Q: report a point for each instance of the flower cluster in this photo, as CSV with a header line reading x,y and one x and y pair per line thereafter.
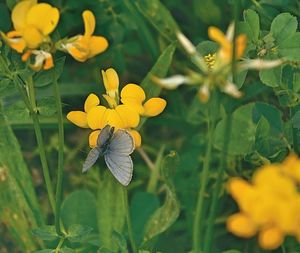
x,y
215,70
122,111
34,22
269,205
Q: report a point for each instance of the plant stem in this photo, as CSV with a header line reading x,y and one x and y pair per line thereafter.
x,y
60,170
295,132
220,175
203,182
38,133
155,173
128,219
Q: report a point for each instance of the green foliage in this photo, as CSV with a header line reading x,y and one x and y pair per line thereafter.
x,y
111,212
143,46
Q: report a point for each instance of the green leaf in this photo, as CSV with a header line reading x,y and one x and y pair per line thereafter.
x,y
19,206
46,233
213,16
77,232
283,26
111,212
252,19
46,106
45,251
159,16
147,202
46,77
160,69
242,135
271,77
232,251
207,47
79,208
290,48
7,87
17,112
271,113
262,136
167,214
67,250
296,120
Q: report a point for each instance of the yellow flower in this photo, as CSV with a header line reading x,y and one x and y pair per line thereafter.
x,y
33,23
125,116
83,47
43,59
291,166
134,96
270,204
225,52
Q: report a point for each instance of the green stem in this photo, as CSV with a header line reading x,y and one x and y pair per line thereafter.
x,y
155,173
128,218
203,182
220,175
60,170
295,132
38,133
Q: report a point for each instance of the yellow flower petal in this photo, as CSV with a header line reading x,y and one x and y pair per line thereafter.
x,y
133,91
136,137
93,138
217,35
291,166
19,13
241,225
111,101
154,106
129,117
270,238
241,42
78,118
48,63
14,40
110,79
134,104
78,48
89,23
44,17
95,117
32,36
91,101
97,45
114,119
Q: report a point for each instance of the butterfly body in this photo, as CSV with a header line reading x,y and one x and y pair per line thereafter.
x,y
116,148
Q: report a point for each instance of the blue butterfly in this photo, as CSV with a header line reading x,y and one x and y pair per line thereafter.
x,y
116,148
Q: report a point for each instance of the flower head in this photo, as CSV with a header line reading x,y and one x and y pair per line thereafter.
x,y
83,47
215,68
33,22
269,205
124,115
226,44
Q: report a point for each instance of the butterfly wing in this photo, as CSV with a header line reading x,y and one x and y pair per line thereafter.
x,y
120,166
90,159
117,156
121,143
104,135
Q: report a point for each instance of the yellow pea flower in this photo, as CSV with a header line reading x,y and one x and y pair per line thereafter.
x,y
269,204
225,52
83,47
125,115
133,95
33,23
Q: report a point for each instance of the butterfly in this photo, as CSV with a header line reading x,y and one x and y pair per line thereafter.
x,y
116,147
